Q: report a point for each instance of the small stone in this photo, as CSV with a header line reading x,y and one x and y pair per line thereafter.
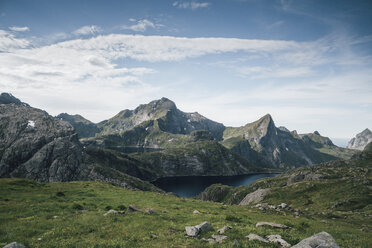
x,y
253,236
133,208
196,212
192,231
277,240
153,236
283,205
14,245
219,238
224,229
236,243
150,211
39,239
272,225
164,211
210,240
113,211
205,226
55,217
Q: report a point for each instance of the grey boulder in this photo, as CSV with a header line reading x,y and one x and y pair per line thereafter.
x,y
319,240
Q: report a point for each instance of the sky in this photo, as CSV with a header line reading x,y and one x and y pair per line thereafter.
x,y
307,63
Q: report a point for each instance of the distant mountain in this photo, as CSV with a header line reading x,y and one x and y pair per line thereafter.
x,y
7,98
262,143
168,117
83,127
361,140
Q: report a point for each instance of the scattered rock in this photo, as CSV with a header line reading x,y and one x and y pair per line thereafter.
x,y
322,239
254,197
171,230
14,245
196,212
133,208
236,243
224,229
193,231
253,236
277,240
205,226
303,176
150,211
210,240
112,211
219,238
153,236
272,225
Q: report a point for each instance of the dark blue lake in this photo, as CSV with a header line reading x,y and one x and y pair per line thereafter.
x,y
192,185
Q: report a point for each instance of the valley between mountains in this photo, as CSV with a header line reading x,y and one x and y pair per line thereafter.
x,y
62,174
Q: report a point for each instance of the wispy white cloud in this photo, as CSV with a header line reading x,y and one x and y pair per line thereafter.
x,y
258,72
9,42
190,5
141,25
19,29
88,30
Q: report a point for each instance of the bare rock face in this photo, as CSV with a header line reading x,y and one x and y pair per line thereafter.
x,y
319,240
254,197
36,146
361,140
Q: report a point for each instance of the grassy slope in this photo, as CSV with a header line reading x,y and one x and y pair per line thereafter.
x,y
27,209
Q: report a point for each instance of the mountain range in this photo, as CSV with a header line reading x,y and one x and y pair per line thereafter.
x,y
152,141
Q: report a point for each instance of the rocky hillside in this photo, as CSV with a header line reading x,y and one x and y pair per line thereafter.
x,y
207,158
360,140
36,146
83,127
329,189
262,143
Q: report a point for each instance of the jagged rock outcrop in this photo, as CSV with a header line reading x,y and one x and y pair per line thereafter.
x,y
83,127
361,140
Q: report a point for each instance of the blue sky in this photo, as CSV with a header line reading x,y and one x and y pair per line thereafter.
x,y
307,63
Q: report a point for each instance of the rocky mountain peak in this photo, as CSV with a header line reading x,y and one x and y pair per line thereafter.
x,y
7,98
361,140
317,133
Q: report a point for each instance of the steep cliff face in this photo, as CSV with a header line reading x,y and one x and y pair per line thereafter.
x,y
361,140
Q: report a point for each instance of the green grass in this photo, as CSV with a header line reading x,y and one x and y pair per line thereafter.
x,y
27,211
